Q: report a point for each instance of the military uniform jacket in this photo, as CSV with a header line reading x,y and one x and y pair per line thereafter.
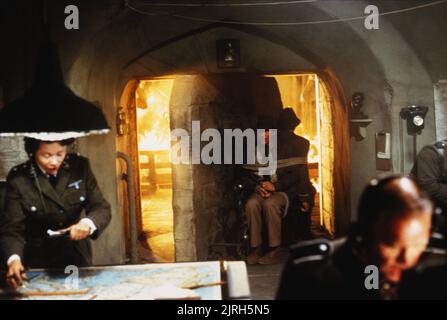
x,y
430,172
329,270
26,219
429,283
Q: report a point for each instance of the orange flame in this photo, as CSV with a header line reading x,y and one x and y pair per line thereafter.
x,y
313,156
152,98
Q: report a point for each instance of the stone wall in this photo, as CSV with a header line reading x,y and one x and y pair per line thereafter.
x,y
204,203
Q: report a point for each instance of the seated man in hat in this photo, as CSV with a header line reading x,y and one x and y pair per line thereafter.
x,y
273,194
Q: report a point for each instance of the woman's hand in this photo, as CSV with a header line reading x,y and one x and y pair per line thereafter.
x,y
78,231
16,274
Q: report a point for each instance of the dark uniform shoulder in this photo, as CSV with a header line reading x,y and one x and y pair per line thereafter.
x,y
438,148
75,160
310,272
313,250
431,150
303,141
441,144
75,157
297,145
75,163
19,170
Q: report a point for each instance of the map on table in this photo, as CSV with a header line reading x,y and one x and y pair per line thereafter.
x,y
132,282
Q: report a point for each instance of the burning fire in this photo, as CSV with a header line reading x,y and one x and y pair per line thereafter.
x,y
313,156
152,98
153,141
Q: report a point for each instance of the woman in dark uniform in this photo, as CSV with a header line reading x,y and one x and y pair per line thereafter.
x,y
53,205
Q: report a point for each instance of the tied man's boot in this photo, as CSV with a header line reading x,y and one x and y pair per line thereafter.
x,y
255,255
272,257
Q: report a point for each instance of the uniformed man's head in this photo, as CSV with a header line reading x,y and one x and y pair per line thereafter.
x,y
394,220
49,155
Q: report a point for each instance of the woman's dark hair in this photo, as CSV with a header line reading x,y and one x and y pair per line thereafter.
x,y
32,145
388,198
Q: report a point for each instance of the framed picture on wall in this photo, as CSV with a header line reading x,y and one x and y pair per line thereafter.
x,y
228,53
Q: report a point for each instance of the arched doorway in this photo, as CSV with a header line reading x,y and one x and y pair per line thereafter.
x,y
198,204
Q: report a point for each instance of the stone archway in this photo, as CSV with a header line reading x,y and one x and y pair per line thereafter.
x,y
194,97
202,195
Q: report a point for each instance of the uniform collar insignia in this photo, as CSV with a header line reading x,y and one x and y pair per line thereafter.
x,y
75,184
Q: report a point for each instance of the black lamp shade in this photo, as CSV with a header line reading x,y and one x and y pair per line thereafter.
x,y
50,110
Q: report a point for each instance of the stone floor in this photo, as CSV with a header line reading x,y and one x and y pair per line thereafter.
x,y
158,224
264,279
158,227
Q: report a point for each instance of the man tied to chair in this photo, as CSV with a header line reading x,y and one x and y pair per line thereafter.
x,y
272,194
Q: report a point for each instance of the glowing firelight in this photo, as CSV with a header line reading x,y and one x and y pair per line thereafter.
x,y
153,141
312,156
152,98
